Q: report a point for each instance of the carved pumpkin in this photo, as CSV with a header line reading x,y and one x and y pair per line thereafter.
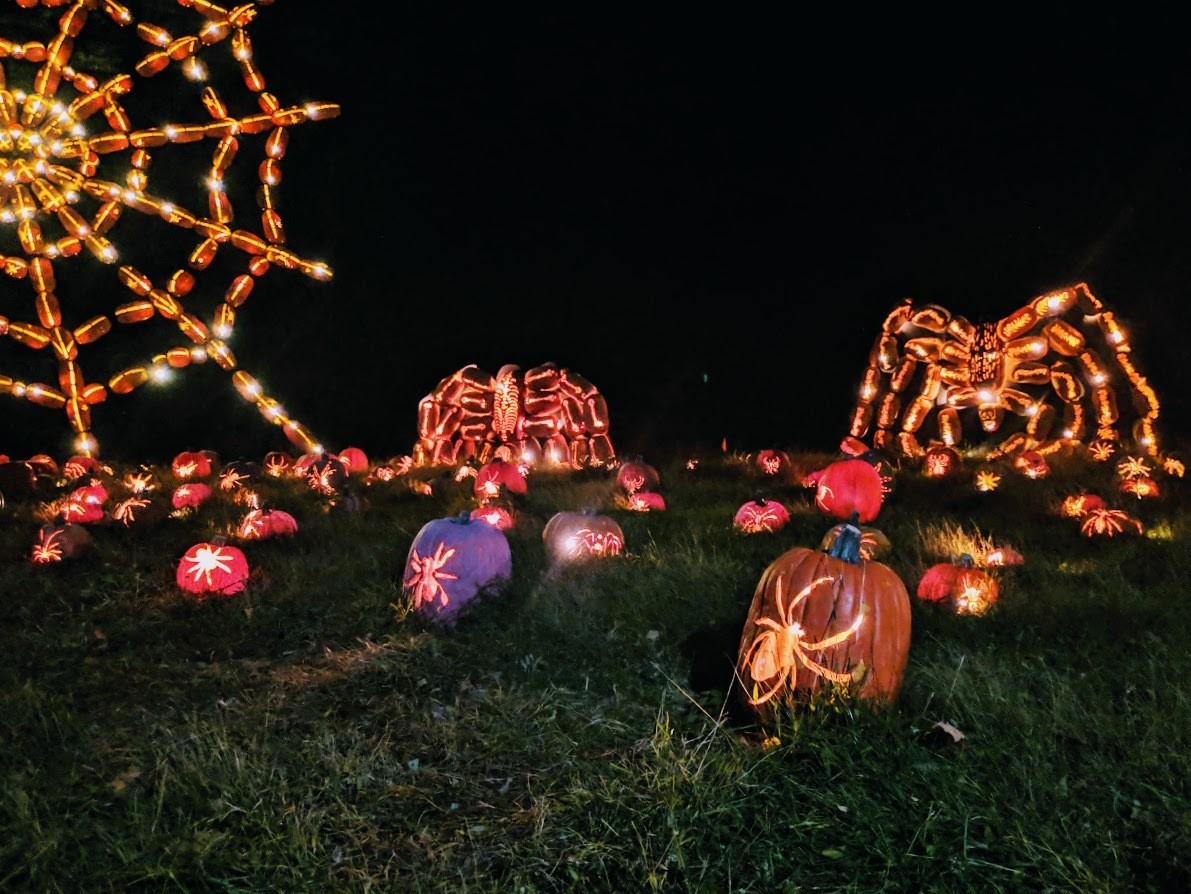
x,y
873,543
1142,488
212,568
84,506
987,480
278,464
1032,464
853,447
1003,555
78,466
578,536
1109,523
761,516
1102,450
645,501
262,524
960,585
191,464
354,460
190,496
820,618
941,461
497,516
325,475
774,463
884,468
59,542
43,464
139,510
635,475
451,562
847,486
496,475
237,474
1079,505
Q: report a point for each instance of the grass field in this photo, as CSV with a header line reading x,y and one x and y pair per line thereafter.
x,y
581,732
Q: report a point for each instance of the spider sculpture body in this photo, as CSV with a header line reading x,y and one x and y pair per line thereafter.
x,y
1057,365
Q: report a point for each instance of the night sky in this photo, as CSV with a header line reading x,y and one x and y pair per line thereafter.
x,y
706,213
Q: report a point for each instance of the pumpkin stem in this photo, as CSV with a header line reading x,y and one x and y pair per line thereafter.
x,y
965,560
465,517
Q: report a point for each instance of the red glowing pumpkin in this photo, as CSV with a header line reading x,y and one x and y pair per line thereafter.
x,y
354,460
1143,488
452,562
1079,505
191,464
212,568
635,475
497,516
847,486
819,618
1032,464
190,496
262,524
960,585
760,515
84,506
78,466
497,475
579,536
645,501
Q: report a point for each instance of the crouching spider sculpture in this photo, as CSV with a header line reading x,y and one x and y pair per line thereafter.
x,y
1058,364
547,412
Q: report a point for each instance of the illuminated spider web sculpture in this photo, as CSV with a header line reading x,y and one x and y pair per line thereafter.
x,y
1058,364
72,165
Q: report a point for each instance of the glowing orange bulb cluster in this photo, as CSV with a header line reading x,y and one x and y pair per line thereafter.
x,y
72,163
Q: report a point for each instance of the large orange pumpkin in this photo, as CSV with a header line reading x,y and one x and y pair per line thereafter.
x,y
824,617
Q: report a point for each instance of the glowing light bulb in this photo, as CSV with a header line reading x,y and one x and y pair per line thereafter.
x,y
986,396
160,373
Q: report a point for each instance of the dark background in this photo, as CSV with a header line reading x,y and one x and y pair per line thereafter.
x,y
706,213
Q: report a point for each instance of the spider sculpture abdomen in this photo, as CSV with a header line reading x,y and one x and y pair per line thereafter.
x,y
1056,367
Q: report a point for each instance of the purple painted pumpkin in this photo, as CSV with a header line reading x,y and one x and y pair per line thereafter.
x,y
451,562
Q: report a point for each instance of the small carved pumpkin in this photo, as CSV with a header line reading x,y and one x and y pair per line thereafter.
x,y
1079,505
635,475
326,475
191,464
43,464
987,480
278,464
1109,523
59,542
139,510
190,496
236,475
1143,488
645,501
774,463
1032,464
824,617
262,524
578,536
1102,450
84,506
354,460
940,461
847,486
760,515
497,475
451,562
873,543
78,466
960,585
212,568
497,516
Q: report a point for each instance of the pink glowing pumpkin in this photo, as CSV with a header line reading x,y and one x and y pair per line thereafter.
x,y
847,486
497,475
761,516
635,475
212,568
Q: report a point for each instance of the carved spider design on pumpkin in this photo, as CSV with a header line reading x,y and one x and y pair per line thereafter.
x,y
1051,362
48,548
587,542
126,510
1109,523
205,562
426,576
778,653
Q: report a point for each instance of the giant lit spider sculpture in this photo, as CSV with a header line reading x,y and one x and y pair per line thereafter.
x,y
1057,363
